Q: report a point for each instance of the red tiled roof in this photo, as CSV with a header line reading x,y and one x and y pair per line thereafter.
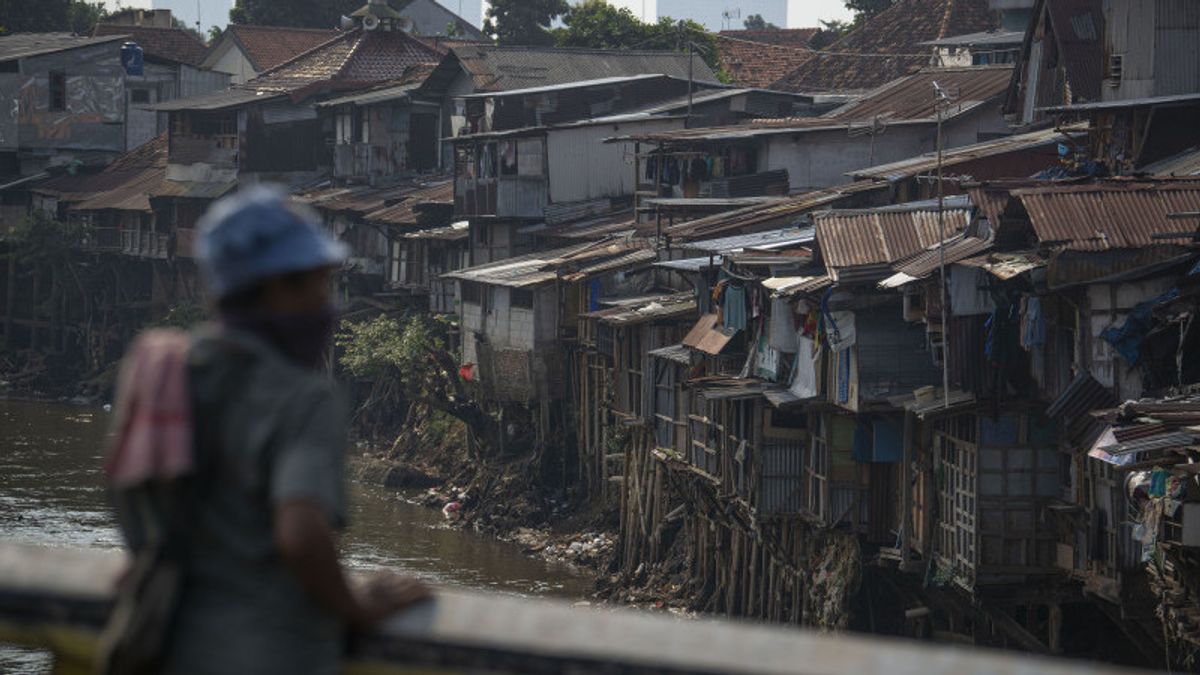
x,y
888,46
356,57
788,37
270,46
171,44
757,64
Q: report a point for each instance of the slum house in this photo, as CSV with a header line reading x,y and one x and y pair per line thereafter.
x,y
385,134
475,68
890,45
1062,59
1035,294
263,131
988,48
1027,154
1131,134
172,68
751,63
519,323
372,222
574,101
70,98
125,269
506,181
895,122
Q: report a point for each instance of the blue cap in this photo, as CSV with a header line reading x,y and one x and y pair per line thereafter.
x,y
260,233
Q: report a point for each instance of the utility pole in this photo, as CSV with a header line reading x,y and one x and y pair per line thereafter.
x,y
942,99
691,78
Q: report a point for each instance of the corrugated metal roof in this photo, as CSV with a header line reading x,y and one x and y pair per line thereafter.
x,y
653,309
1112,214
455,232
1125,103
217,100
1082,396
733,389
1186,163
677,353
985,38
412,196
878,237
926,262
763,241
573,263
189,190
380,95
911,98
757,129
25,45
1007,264
691,264
783,214
786,287
567,86
496,68
921,164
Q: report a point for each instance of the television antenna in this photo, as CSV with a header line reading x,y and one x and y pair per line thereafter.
x,y
729,15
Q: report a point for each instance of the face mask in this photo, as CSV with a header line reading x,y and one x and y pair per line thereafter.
x,y
305,338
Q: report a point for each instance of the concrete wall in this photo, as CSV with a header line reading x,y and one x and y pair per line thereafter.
x,y
234,63
822,159
94,117
583,167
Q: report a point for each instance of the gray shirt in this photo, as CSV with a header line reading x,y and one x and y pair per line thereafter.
x,y
282,438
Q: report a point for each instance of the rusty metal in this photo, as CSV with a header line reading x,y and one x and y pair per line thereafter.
x,y
1109,214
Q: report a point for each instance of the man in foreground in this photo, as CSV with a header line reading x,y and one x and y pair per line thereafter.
x,y
227,467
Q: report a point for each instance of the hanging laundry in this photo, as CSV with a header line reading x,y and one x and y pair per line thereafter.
x,y
1033,323
734,306
783,326
804,373
968,288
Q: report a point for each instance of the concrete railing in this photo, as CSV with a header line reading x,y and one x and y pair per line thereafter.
x,y
58,598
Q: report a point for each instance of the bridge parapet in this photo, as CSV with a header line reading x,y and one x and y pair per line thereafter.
x,y
58,598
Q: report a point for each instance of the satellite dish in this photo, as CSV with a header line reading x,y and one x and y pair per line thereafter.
x,y
370,22
346,22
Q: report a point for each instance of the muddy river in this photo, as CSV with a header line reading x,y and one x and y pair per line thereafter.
x,y
50,495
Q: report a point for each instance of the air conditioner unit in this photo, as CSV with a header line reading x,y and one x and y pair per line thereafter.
x,y
370,22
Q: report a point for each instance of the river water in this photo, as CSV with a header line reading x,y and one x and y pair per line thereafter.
x,y
50,495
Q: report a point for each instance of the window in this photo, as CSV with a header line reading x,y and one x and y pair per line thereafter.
x,y
482,236
58,91
472,293
521,298
364,130
1116,68
345,128
139,96
508,158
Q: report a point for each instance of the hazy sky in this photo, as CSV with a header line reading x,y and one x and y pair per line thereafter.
x,y
801,13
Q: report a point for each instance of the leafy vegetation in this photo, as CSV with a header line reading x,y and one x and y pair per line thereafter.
x,y
523,22
295,13
757,22
595,24
406,360
44,16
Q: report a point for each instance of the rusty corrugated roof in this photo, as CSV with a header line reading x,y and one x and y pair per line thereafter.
x,y
871,240
912,98
758,217
707,336
574,263
928,162
1113,214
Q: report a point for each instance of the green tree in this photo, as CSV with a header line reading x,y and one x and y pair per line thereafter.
x,y
406,360
45,16
831,31
865,10
295,13
214,34
523,22
595,24
757,22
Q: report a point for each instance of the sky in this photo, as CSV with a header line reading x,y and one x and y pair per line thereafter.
x,y
801,13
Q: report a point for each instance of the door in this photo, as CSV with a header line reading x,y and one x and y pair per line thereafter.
x,y
422,142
